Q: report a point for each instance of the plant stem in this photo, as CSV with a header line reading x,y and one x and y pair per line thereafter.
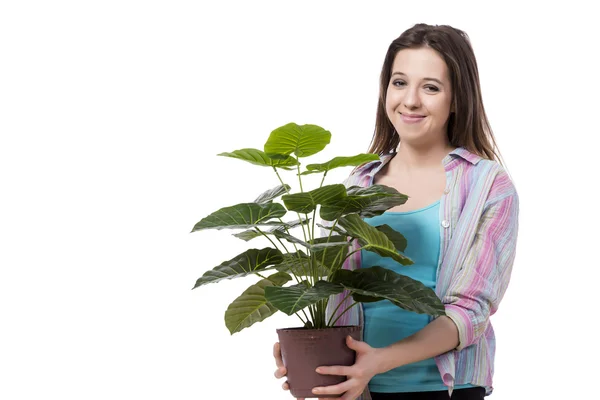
x,y
282,245
305,316
299,177
323,180
296,248
280,180
288,192
313,222
344,312
265,235
332,271
328,239
312,314
303,322
317,316
274,245
288,232
322,306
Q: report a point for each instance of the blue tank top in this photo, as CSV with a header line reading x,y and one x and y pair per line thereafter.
x,y
386,323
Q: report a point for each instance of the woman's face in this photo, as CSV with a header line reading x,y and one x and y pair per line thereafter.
x,y
419,97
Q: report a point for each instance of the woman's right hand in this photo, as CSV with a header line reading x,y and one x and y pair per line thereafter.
x,y
281,370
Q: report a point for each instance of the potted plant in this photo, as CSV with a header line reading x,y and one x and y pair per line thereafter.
x,y
299,273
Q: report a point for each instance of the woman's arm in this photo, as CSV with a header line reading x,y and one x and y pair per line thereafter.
x,y
439,336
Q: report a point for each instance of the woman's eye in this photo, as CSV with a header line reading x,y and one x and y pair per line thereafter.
x,y
432,88
398,83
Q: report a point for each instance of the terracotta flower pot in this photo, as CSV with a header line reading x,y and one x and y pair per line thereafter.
x,y
303,350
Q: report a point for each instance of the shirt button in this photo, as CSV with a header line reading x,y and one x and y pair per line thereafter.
x,y
446,191
445,223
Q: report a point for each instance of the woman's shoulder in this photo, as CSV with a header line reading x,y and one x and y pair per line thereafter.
x,y
481,170
359,173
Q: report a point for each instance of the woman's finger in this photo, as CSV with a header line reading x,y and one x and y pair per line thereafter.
x,y
280,372
340,388
335,370
277,354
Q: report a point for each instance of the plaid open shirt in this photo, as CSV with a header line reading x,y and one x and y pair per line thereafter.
x,y
478,232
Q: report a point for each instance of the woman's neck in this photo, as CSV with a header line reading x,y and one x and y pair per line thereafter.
x,y
410,158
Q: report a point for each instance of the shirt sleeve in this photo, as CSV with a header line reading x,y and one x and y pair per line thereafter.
x,y
476,291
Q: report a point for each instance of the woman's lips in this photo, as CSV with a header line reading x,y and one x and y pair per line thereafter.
x,y
410,120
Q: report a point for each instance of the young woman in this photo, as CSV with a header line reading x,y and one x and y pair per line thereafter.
x,y
460,221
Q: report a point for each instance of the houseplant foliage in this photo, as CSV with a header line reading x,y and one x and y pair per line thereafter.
x,y
300,272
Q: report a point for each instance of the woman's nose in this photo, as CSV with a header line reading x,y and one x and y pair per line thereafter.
x,y
411,97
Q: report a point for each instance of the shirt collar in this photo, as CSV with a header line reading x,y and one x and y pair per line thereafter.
x,y
464,154
449,161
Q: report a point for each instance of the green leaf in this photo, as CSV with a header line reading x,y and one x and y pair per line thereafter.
x,y
258,157
307,201
337,162
395,237
245,215
377,283
298,263
294,298
372,239
253,233
271,194
336,229
326,242
301,140
249,262
295,223
331,257
290,238
293,260
367,202
252,306
247,235
280,278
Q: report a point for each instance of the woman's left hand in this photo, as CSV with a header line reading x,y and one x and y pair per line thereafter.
x,y
358,375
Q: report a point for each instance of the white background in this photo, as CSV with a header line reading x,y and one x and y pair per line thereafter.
x,y
111,116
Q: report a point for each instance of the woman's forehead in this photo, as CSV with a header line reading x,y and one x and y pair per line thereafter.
x,y
420,63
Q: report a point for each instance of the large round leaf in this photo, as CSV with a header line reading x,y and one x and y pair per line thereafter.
x,y
372,239
306,202
377,283
245,215
301,140
338,162
252,306
294,298
258,157
249,262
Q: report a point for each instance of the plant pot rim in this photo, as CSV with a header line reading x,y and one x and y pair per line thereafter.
x,y
301,328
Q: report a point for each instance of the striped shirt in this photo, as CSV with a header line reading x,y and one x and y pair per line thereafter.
x,y
478,232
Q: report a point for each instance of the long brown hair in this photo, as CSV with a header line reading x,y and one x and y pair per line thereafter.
x,y
468,125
